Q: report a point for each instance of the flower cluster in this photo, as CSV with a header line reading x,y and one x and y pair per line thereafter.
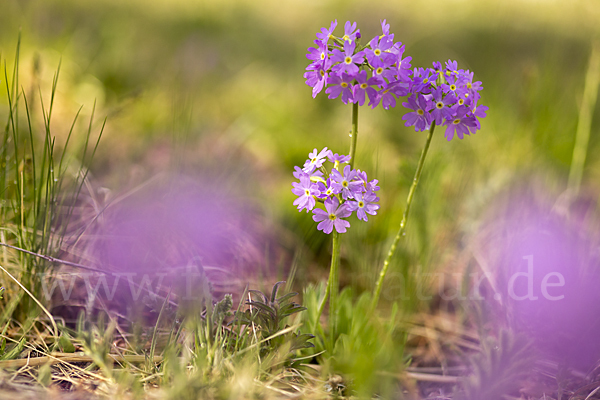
x,y
447,96
342,193
380,72
377,71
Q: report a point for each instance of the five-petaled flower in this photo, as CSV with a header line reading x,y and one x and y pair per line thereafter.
x,y
332,217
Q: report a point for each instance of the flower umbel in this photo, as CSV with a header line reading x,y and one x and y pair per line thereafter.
x,y
341,193
380,72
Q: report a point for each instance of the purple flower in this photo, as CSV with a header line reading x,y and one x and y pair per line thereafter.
x,y
422,80
364,204
344,183
365,86
382,69
341,84
337,159
369,186
379,49
386,95
317,76
452,67
347,60
325,189
319,53
471,86
385,28
460,124
479,112
403,71
350,32
441,110
420,117
315,160
298,172
325,33
306,190
332,217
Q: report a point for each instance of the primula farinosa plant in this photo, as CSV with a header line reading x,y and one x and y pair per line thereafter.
x,y
379,72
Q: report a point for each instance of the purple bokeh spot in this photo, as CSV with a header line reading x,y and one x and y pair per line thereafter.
x,y
548,269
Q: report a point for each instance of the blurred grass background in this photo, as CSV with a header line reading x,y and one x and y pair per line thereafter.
x,y
215,87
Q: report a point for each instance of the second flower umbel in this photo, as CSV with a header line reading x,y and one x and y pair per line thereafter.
x,y
341,192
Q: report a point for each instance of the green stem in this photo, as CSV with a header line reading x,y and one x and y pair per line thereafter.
x,y
333,284
353,133
334,273
402,231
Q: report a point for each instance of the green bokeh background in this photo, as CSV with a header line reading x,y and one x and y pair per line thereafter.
x,y
216,87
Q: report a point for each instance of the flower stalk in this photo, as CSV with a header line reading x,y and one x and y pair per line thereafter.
x,y
353,133
402,230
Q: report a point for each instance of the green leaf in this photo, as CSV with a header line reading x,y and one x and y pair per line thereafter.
x,y
275,289
286,297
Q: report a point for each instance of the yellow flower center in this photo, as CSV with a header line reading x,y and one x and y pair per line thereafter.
x,y
345,184
377,52
456,121
453,87
307,192
361,204
332,217
379,70
461,102
363,85
439,104
420,112
344,84
348,60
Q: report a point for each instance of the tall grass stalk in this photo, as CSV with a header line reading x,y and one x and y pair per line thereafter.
x,y
584,122
33,197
